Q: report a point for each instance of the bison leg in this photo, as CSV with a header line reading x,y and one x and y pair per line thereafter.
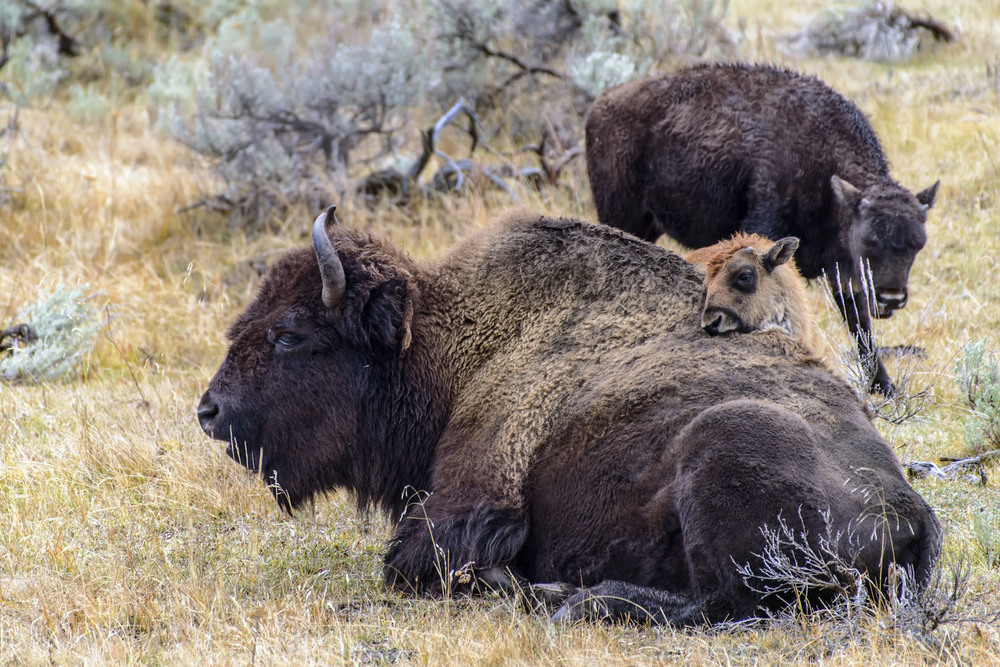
x,y
438,550
855,310
619,601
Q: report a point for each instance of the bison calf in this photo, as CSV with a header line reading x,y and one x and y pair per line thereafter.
x,y
715,149
752,284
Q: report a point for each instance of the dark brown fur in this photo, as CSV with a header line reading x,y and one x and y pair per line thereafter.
x,y
711,150
544,399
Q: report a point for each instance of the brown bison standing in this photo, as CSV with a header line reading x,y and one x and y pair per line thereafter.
x,y
715,149
543,401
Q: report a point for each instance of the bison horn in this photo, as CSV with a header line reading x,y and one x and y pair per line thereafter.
x,y
330,267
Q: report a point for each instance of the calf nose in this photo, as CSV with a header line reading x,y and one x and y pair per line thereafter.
x,y
208,410
712,327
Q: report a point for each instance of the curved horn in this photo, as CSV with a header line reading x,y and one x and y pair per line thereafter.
x,y
330,268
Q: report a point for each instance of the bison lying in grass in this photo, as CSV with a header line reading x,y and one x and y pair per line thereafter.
x,y
715,149
543,404
752,284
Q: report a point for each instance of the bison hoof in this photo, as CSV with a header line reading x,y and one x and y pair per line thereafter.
x,y
883,384
587,604
549,597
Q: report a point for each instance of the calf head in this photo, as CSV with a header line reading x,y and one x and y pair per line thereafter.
x,y
743,293
882,232
295,394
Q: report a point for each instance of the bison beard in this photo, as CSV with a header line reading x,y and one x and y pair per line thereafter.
x,y
543,401
714,149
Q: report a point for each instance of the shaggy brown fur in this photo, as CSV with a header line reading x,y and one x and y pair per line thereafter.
x,y
752,284
544,399
715,149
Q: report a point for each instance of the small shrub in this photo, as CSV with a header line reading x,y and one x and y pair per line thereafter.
x,y
33,70
978,376
602,70
62,330
986,534
875,31
281,126
87,103
790,566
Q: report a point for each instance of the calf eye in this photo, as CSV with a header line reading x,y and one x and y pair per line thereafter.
x,y
745,281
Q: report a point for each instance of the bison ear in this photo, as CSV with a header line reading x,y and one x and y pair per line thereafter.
x,y
926,197
780,252
846,194
387,315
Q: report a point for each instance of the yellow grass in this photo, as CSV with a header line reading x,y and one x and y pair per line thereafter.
x,y
127,536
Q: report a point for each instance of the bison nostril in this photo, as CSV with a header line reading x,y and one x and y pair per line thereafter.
x,y
207,411
713,327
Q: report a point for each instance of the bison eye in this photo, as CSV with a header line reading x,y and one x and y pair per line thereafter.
x,y
284,339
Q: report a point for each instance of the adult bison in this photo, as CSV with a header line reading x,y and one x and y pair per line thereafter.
x,y
714,149
543,401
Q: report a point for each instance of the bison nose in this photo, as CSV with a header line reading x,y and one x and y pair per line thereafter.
x,y
890,300
712,327
208,410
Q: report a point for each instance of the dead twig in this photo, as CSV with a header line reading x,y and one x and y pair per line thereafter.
x,y
399,183
972,468
20,335
68,45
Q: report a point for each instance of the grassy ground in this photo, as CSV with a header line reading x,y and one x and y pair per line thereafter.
x,y
127,536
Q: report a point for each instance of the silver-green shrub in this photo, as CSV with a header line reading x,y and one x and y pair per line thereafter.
x,y
33,70
872,30
602,70
64,327
282,122
977,373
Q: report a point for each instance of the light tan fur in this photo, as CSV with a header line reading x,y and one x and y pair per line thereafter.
x,y
753,284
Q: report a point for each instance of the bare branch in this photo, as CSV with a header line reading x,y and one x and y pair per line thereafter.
x,y
68,45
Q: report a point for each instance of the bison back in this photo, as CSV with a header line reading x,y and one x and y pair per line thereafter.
x,y
598,416
700,153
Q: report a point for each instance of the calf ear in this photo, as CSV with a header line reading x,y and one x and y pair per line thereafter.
x,y
780,252
387,315
846,194
926,197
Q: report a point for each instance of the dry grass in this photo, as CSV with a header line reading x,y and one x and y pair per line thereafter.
x,y
128,537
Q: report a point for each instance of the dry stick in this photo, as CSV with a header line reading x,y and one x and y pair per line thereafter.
x,y
972,460
460,107
955,466
23,332
68,46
